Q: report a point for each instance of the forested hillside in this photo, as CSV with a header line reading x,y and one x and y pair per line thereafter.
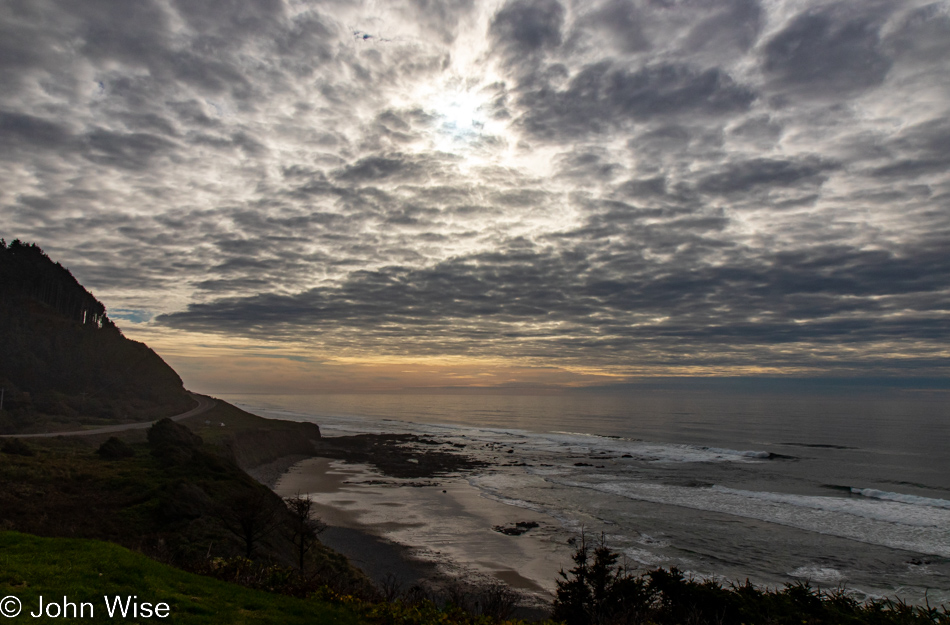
x,y
64,362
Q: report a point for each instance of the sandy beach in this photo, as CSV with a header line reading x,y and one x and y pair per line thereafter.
x,y
428,529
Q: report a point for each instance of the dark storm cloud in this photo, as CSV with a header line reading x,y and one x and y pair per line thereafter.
x,y
23,131
526,27
920,149
746,175
833,50
603,97
710,182
503,293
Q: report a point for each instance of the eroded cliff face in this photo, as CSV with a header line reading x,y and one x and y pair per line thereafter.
x,y
65,363
252,448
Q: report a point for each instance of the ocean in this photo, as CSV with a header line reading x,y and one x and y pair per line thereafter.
x,y
845,492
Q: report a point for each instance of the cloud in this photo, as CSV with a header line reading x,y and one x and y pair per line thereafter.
x,y
732,27
603,98
923,36
526,27
747,175
922,149
442,17
529,300
620,20
373,168
831,51
623,186
127,151
22,131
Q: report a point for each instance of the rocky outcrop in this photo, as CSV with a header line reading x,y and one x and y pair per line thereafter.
x,y
252,448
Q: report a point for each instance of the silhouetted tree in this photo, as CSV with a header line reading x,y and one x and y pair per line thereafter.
x,y
597,591
251,515
26,270
302,528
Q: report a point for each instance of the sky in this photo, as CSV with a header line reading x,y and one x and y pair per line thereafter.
x,y
296,196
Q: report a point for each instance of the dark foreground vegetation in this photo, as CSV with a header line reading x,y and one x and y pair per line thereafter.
x,y
598,591
170,496
65,364
87,570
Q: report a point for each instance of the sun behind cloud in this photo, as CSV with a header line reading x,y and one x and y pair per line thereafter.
x,y
614,188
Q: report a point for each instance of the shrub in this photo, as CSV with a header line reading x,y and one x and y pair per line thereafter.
x,y
598,592
17,447
172,443
115,449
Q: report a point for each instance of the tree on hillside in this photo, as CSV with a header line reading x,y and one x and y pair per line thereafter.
x,y
302,528
597,591
251,516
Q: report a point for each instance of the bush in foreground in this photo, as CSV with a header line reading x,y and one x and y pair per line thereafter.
x,y
598,591
115,449
17,447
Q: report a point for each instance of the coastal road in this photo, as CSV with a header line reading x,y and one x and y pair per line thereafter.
x,y
204,404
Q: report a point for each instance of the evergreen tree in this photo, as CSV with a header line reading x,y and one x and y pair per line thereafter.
x,y
597,591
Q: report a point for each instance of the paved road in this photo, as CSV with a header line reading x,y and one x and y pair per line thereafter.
x,y
204,404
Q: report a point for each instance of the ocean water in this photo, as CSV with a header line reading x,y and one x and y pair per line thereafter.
x,y
850,492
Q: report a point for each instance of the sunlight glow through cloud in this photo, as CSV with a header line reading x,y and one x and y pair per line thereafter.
x,y
616,186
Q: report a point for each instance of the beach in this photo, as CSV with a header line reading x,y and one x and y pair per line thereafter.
x,y
428,530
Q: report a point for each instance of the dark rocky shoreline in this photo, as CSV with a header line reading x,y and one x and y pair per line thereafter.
x,y
399,455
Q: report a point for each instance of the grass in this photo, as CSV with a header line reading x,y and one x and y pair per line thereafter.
x,y
169,511
87,570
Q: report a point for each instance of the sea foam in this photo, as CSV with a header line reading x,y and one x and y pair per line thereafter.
x,y
913,500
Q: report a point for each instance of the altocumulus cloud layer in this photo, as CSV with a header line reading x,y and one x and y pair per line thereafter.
x,y
624,186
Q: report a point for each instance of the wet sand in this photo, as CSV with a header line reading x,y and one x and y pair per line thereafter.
x,y
428,528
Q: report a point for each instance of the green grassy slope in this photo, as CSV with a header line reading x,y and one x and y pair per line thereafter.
x,y
86,570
